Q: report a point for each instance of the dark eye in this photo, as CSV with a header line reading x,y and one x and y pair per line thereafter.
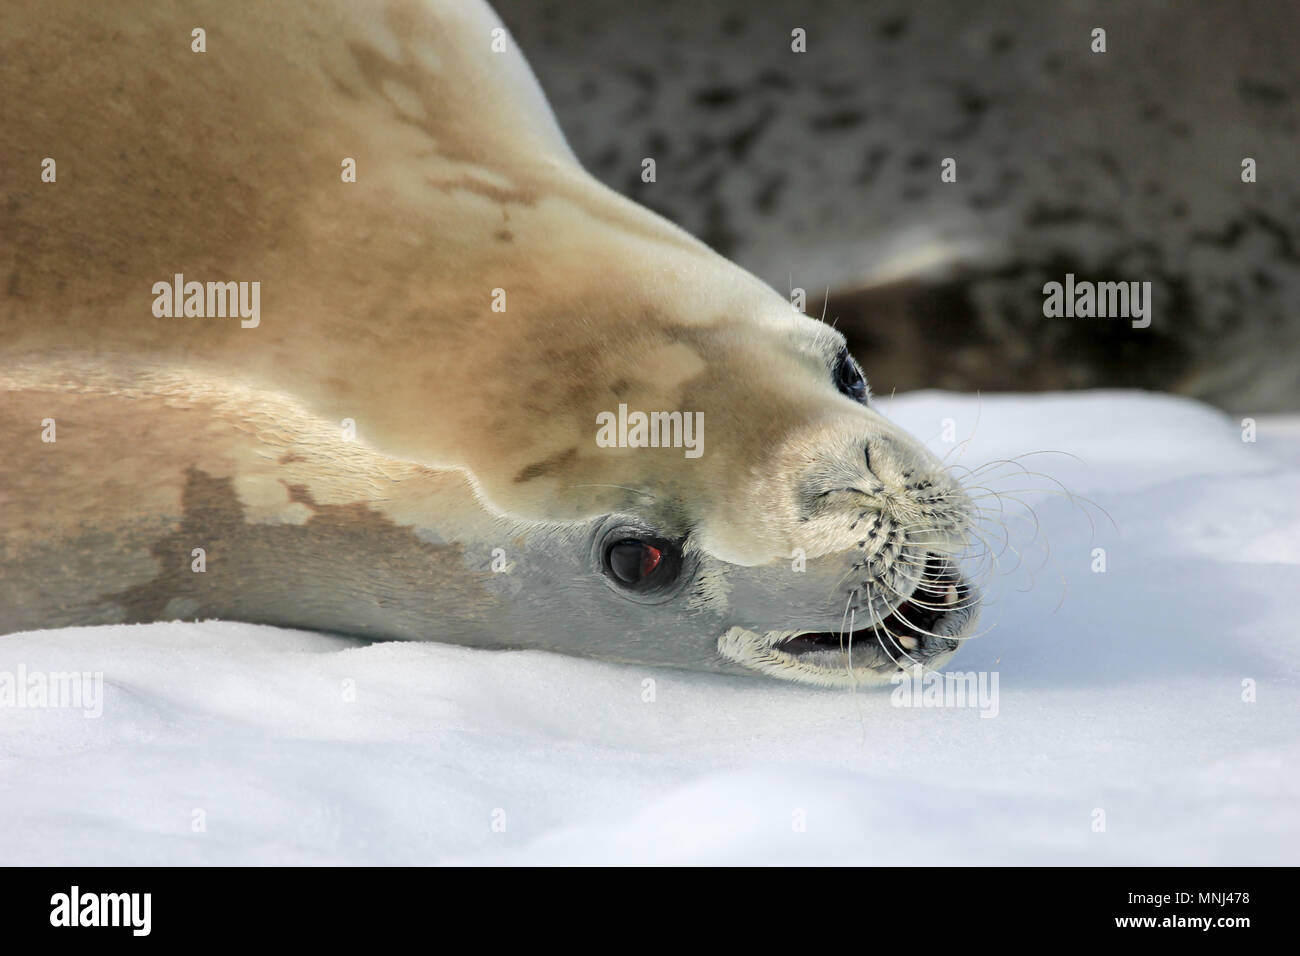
x,y
848,377
636,564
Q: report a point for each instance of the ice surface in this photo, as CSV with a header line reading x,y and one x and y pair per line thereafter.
x,y
1120,692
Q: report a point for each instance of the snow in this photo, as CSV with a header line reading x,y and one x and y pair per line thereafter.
x,y
1120,693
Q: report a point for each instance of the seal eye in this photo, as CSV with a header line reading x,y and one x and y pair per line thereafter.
x,y
636,563
848,377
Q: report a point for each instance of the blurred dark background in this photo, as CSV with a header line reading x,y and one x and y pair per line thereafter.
x,y
821,170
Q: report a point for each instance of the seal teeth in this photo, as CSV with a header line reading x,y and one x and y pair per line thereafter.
x,y
951,597
908,642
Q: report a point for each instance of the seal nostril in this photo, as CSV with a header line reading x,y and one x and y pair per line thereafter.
x,y
866,456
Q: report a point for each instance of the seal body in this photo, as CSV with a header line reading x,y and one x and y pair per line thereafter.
x,y
322,325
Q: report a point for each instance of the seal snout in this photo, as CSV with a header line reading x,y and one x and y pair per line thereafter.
x,y
886,523
925,628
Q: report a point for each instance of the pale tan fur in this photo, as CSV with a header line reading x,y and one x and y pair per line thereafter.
x,y
376,307
376,295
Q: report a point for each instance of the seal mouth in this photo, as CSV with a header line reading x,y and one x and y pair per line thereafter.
x,y
925,628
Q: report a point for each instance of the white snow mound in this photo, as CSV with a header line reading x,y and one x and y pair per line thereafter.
x,y
1146,714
